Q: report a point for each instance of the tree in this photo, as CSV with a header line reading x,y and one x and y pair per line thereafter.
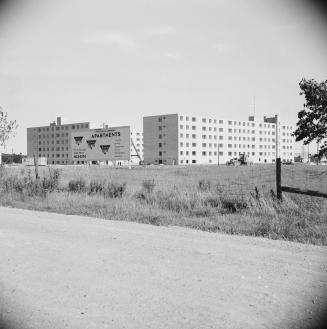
x,y
7,128
312,123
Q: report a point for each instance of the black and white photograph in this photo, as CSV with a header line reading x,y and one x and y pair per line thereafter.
x,y
163,164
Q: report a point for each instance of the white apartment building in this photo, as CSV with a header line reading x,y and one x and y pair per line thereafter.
x,y
185,139
137,140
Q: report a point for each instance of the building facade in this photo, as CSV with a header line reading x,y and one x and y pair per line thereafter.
x,y
54,141
137,140
184,139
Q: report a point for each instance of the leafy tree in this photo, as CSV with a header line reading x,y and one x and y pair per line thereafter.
x,y
7,128
312,123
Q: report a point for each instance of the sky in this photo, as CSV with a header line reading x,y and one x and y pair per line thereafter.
x,y
114,62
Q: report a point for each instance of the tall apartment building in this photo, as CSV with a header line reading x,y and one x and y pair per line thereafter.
x,y
137,139
54,141
185,139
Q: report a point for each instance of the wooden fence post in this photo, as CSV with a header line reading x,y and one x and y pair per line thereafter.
x,y
36,167
279,179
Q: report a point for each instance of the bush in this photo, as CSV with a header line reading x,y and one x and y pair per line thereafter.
x,y
51,183
12,184
232,204
115,190
77,185
149,185
96,187
204,185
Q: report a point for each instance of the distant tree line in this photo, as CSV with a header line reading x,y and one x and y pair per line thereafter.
x,y
12,158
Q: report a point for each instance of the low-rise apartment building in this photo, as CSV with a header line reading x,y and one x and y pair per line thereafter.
x,y
184,139
53,141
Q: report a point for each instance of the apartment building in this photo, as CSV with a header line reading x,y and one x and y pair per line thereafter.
x,y
137,140
184,139
53,141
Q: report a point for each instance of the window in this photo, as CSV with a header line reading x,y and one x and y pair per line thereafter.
x,y
160,136
193,144
193,136
193,152
193,161
204,120
160,144
160,153
221,121
181,118
193,119
204,153
159,119
221,129
204,145
193,127
181,127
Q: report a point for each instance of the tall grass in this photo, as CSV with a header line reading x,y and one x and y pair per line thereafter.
x,y
199,198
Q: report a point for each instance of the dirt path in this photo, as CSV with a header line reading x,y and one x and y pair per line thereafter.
x,y
59,271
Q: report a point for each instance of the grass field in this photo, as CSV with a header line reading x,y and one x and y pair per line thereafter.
x,y
234,200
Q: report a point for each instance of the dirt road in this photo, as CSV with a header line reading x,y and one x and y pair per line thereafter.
x,y
60,271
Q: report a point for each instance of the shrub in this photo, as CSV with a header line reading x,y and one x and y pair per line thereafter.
x,y
115,190
77,185
12,184
233,204
204,185
149,185
51,183
96,186
212,201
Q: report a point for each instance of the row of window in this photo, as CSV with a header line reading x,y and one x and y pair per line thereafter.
x,y
64,141
205,153
248,124
230,130
65,127
53,135
52,149
58,155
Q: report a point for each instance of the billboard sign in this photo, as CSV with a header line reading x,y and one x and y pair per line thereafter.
x,y
101,144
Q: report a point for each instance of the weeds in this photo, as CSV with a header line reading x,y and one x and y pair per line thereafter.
x,y
149,185
204,185
77,185
179,197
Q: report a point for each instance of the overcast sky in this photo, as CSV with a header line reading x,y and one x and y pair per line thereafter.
x,y
117,61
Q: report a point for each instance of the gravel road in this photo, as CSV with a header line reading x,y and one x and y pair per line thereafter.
x,y
59,271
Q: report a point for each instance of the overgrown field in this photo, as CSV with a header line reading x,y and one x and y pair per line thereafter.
x,y
234,200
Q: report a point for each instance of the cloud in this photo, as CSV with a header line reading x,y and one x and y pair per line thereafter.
x,y
120,39
219,47
161,31
173,55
